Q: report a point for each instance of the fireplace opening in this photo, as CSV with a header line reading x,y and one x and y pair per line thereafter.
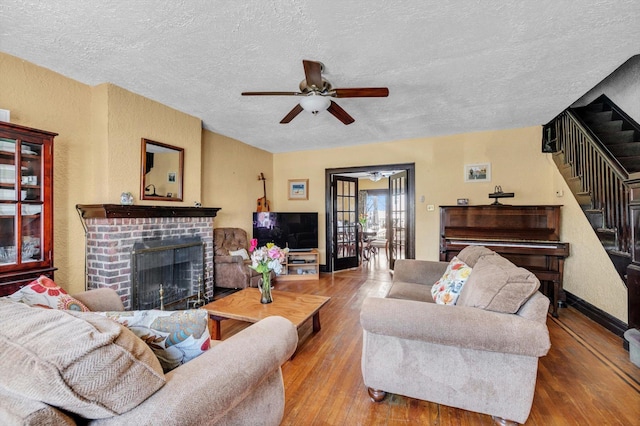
x,y
168,274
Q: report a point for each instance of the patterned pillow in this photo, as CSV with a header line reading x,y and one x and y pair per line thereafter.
x,y
175,337
447,289
45,293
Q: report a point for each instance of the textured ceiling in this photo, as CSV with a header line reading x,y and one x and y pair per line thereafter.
x,y
450,66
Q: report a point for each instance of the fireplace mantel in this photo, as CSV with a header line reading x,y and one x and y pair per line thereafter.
x,y
116,211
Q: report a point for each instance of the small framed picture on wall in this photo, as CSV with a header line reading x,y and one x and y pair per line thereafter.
x,y
298,189
480,172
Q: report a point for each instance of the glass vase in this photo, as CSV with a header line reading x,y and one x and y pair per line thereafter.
x,y
265,288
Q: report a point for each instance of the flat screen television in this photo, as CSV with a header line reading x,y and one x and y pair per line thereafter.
x,y
297,231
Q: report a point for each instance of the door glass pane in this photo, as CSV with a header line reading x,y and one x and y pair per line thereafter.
x,y
7,234
31,232
345,213
8,169
31,171
398,215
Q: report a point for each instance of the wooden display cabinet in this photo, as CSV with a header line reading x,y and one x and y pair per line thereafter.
x,y
301,265
26,205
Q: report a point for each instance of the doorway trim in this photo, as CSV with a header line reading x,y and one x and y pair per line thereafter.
x,y
410,168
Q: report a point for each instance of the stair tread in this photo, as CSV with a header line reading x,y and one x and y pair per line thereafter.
x,y
618,253
606,230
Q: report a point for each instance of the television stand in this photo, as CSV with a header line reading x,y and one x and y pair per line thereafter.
x,y
301,265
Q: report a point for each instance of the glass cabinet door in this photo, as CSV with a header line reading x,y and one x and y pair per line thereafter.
x,y
8,199
21,201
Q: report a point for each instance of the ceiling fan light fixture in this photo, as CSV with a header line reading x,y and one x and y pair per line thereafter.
x,y
315,103
375,176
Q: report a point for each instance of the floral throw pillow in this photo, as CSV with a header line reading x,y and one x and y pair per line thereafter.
x,y
447,289
175,337
44,292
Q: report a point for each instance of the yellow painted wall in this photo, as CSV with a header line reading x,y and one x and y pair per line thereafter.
x,y
439,164
133,117
230,179
97,152
45,100
517,165
588,273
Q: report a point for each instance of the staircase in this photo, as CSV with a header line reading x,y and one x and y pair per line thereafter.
x,y
618,132
597,150
598,153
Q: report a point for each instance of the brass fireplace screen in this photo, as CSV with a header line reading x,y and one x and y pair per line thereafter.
x,y
167,274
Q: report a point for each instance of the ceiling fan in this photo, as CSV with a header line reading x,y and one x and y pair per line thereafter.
x,y
316,91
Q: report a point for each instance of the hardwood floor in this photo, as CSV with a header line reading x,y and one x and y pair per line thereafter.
x,y
586,379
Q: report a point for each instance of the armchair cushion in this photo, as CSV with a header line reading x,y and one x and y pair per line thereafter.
x,y
175,337
228,239
498,285
124,371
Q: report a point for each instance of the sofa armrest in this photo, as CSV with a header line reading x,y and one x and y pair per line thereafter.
x,y
101,300
461,326
418,271
209,386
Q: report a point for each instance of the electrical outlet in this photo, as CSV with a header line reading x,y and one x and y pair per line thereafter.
x,y
559,193
431,208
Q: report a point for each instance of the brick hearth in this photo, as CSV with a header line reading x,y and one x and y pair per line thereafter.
x,y
112,230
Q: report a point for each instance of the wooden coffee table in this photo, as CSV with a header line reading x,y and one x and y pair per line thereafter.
x,y
245,305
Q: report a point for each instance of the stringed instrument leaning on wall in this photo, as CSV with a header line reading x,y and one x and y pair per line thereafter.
x,y
263,203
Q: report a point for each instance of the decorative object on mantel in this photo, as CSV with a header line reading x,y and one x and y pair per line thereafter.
x,y
497,194
126,199
264,260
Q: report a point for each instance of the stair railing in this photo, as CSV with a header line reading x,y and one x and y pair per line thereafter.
x,y
601,175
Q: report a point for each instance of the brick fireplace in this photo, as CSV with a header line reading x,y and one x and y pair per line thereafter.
x,y
113,230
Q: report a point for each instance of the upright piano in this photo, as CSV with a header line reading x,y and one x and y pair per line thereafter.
x,y
529,236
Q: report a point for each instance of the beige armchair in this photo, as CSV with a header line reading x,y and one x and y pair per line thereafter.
x,y
479,355
232,271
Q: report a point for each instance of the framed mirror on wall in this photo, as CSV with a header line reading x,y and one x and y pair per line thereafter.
x,y
162,171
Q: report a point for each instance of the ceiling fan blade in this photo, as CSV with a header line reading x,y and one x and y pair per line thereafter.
x,y
339,113
292,114
271,94
313,73
362,92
